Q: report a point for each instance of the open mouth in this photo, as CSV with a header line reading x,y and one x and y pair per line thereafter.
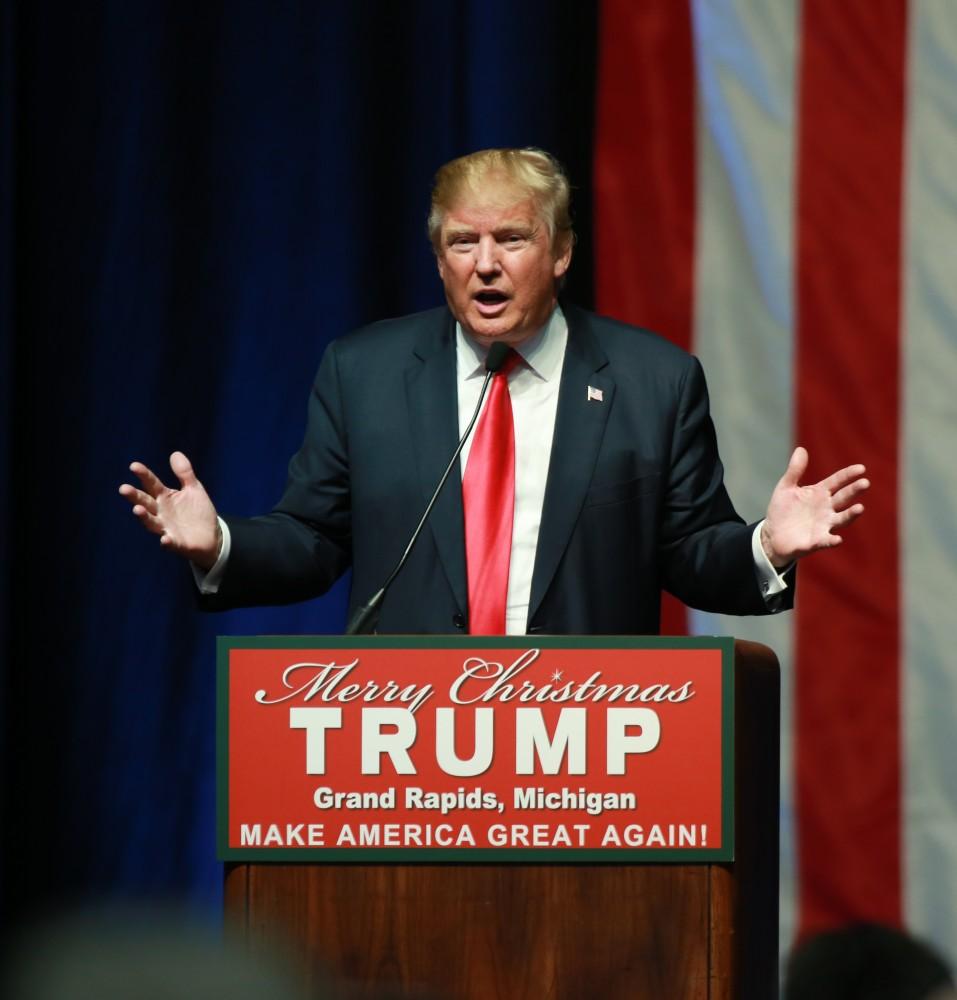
x,y
491,301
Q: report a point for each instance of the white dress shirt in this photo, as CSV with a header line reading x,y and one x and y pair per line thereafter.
x,y
533,386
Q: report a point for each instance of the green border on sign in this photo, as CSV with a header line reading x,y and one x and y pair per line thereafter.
x,y
438,855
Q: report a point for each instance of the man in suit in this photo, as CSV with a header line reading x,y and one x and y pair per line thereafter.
x,y
615,491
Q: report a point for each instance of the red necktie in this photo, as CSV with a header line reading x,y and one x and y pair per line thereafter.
x,y
488,496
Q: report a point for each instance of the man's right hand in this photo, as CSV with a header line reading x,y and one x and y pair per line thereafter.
x,y
185,519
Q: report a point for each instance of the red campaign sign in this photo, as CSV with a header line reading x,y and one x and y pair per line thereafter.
x,y
434,749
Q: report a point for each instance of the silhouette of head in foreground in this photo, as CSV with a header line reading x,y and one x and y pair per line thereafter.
x,y
866,962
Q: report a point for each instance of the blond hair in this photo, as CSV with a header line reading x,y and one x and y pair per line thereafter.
x,y
532,170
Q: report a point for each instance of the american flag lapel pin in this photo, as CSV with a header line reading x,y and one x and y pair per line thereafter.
x,y
594,394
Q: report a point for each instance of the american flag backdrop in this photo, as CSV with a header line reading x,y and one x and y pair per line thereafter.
x,y
776,189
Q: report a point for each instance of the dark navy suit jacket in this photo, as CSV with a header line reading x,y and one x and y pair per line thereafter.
x,y
635,500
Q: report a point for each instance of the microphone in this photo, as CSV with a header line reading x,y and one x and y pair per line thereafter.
x,y
495,358
366,617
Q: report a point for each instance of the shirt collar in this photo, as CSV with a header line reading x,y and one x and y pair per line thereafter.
x,y
543,353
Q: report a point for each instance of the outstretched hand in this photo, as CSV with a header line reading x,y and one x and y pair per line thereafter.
x,y
802,519
185,519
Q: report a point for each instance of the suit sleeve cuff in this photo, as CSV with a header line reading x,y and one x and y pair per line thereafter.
x,y
771,582
208,582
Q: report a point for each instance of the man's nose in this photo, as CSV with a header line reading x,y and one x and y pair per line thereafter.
x,y
486,256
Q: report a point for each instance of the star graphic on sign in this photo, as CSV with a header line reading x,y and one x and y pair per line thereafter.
x,y
556,675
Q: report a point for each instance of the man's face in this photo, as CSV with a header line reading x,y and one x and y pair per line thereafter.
x,y
497,264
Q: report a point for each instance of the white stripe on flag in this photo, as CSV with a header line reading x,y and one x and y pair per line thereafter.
x,y
746,54
929,478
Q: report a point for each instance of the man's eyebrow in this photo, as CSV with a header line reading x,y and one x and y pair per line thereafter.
x,y
517,225
508,226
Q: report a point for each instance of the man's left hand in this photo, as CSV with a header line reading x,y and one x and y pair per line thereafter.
x,y
802,519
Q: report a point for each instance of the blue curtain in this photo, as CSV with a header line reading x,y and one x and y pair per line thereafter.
x,y
195,199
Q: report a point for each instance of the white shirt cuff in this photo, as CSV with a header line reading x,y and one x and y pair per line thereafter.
x,y
208,582
770,580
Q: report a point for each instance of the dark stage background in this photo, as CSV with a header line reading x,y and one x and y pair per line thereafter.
x,y
194,200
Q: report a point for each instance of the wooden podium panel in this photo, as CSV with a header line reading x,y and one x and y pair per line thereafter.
x,y
559,931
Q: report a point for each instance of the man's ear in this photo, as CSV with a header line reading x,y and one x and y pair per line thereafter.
x,y
563,260
440,264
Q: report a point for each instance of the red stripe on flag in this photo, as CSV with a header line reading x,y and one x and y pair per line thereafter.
x,y
848,320
644,177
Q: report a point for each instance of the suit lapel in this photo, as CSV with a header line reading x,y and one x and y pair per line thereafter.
x,y
579,427
432,399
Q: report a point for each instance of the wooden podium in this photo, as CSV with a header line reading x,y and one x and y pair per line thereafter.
x,y
674,931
